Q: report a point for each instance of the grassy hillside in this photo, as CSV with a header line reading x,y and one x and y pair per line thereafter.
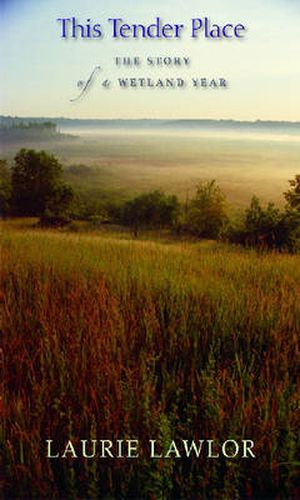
x,y
106,337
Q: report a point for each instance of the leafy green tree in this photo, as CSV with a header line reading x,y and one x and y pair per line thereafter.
x,y
291,222
270,227
206,215
153,209
5,188
292,196
60,201
37,187
261,225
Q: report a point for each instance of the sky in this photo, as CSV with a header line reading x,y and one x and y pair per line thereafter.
x,y
40,70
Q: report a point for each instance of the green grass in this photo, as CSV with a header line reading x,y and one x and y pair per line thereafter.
x,y
105,336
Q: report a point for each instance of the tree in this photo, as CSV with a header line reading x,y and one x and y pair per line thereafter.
x,y
270,227
292,214
153,209
5,188
262,225
206,216
292,196
37,187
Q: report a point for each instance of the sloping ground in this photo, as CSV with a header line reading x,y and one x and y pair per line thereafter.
x,y
108,338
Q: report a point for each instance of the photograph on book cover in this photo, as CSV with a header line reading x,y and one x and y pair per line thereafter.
x,y
150,224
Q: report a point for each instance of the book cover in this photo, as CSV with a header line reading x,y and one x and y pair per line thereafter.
x,y
150,221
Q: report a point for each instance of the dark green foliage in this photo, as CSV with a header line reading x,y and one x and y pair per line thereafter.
x,y
292,196
60,200
206,216
261,224
291,222
5,188
270,227
37,186
153,209
288,231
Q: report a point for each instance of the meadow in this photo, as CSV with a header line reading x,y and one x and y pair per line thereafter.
x,y
111,337
117,165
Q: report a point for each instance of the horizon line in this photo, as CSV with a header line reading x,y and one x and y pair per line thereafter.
x,y
236,120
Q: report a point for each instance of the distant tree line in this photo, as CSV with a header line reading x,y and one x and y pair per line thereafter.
x,y
13,122
31,125
15,129
34,187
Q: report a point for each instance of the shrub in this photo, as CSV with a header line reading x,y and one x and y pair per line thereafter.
x,y
268,228
206,216
153,209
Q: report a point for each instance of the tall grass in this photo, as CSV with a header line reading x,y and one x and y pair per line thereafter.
x,y
111,338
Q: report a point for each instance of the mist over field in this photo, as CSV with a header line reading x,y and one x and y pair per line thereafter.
x,y
126,157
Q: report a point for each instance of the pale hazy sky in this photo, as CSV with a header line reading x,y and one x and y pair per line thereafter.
x,y
40,71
